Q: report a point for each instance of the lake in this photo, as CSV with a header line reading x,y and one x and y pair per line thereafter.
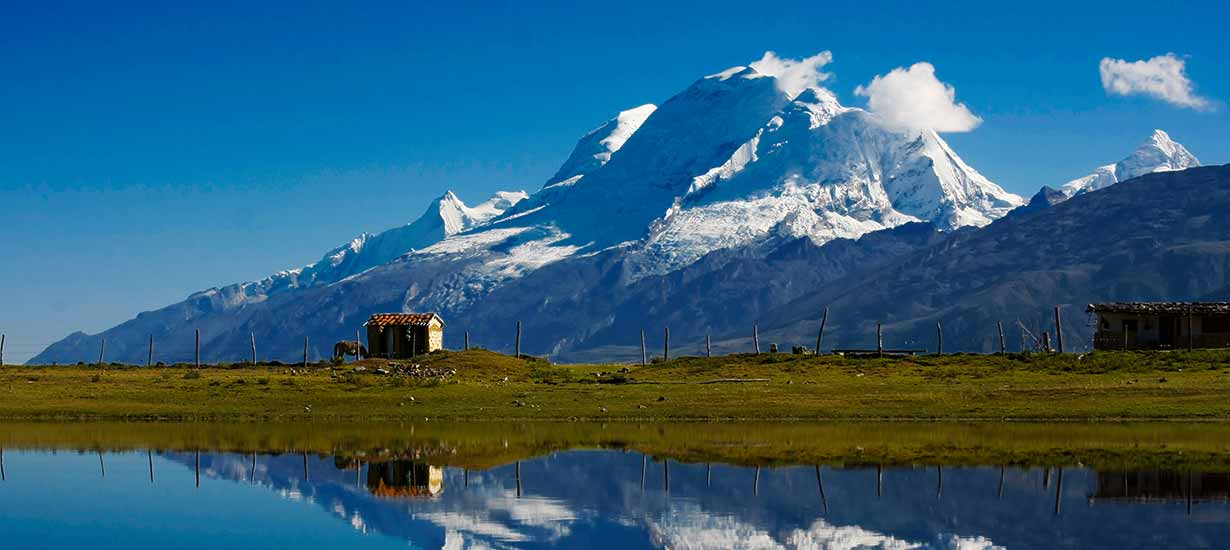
x,y
118,485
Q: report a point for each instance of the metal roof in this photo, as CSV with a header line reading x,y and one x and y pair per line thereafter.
x,y
410,319
1169,308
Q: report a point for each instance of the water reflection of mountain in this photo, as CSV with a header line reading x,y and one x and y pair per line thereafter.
x,y
595,499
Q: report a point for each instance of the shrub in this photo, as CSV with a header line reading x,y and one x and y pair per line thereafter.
x,y
192,375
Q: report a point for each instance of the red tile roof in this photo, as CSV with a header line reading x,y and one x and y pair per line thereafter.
x,y
411,319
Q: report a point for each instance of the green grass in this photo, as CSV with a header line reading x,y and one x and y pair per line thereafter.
x,y
490,386
479,445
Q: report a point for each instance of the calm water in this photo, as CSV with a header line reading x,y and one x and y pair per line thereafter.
x,y
589,499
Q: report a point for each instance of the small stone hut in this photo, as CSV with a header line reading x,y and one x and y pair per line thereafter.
x,y
1161,325
402,335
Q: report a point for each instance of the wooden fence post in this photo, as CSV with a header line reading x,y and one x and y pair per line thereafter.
x,y
939,339
358,346
644,354
666,344
1058,330
1002,346
198,348
467,343
708,346
1046,342
517,348
756,336
1125,337
820,335
879,341
305,348
101,349
253,335
1191,336
149,361
1,350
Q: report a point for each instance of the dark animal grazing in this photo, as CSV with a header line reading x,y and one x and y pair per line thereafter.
x,y
349,347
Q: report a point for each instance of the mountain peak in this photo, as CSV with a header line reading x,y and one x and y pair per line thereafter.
x,y
1158,153
1161,153
449,197
742,71
1160,136
595,148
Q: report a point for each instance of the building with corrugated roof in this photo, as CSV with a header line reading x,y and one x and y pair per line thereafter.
x,y
1161,325
404,335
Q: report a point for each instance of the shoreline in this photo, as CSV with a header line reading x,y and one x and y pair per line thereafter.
x,y
839,444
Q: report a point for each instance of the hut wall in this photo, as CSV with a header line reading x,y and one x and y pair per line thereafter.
x,y
435,338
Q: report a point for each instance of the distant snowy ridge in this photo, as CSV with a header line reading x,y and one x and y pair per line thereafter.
x,y
446,216
1158,153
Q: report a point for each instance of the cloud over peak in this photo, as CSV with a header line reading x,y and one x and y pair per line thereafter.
x,y
795,75
914,99
1163,77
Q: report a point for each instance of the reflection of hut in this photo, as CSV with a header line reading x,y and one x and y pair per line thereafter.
x,y
1161,325
404,478
400,335
1162,485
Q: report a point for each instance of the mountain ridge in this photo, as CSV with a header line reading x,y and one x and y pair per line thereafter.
x,y
729,172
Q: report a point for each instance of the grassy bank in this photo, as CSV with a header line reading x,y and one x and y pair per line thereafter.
x,y
481,445
481,385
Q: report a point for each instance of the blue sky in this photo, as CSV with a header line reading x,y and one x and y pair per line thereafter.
x,y
148,150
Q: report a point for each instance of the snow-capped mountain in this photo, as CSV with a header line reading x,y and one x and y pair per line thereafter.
x,y
445,217
822,171
1158,153
732,162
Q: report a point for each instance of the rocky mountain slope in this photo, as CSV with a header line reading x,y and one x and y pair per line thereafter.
x,y
728,201
1156,237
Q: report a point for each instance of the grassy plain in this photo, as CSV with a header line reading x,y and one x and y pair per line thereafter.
x,y
490,386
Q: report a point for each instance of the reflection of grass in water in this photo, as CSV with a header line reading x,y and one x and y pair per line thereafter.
x,y
489,444
490,386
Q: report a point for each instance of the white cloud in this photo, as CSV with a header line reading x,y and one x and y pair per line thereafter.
x,y
795,75
1163,77
914,99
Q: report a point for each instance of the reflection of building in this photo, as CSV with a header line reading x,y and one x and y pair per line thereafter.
x,y
1162,485
404,478
1161,325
